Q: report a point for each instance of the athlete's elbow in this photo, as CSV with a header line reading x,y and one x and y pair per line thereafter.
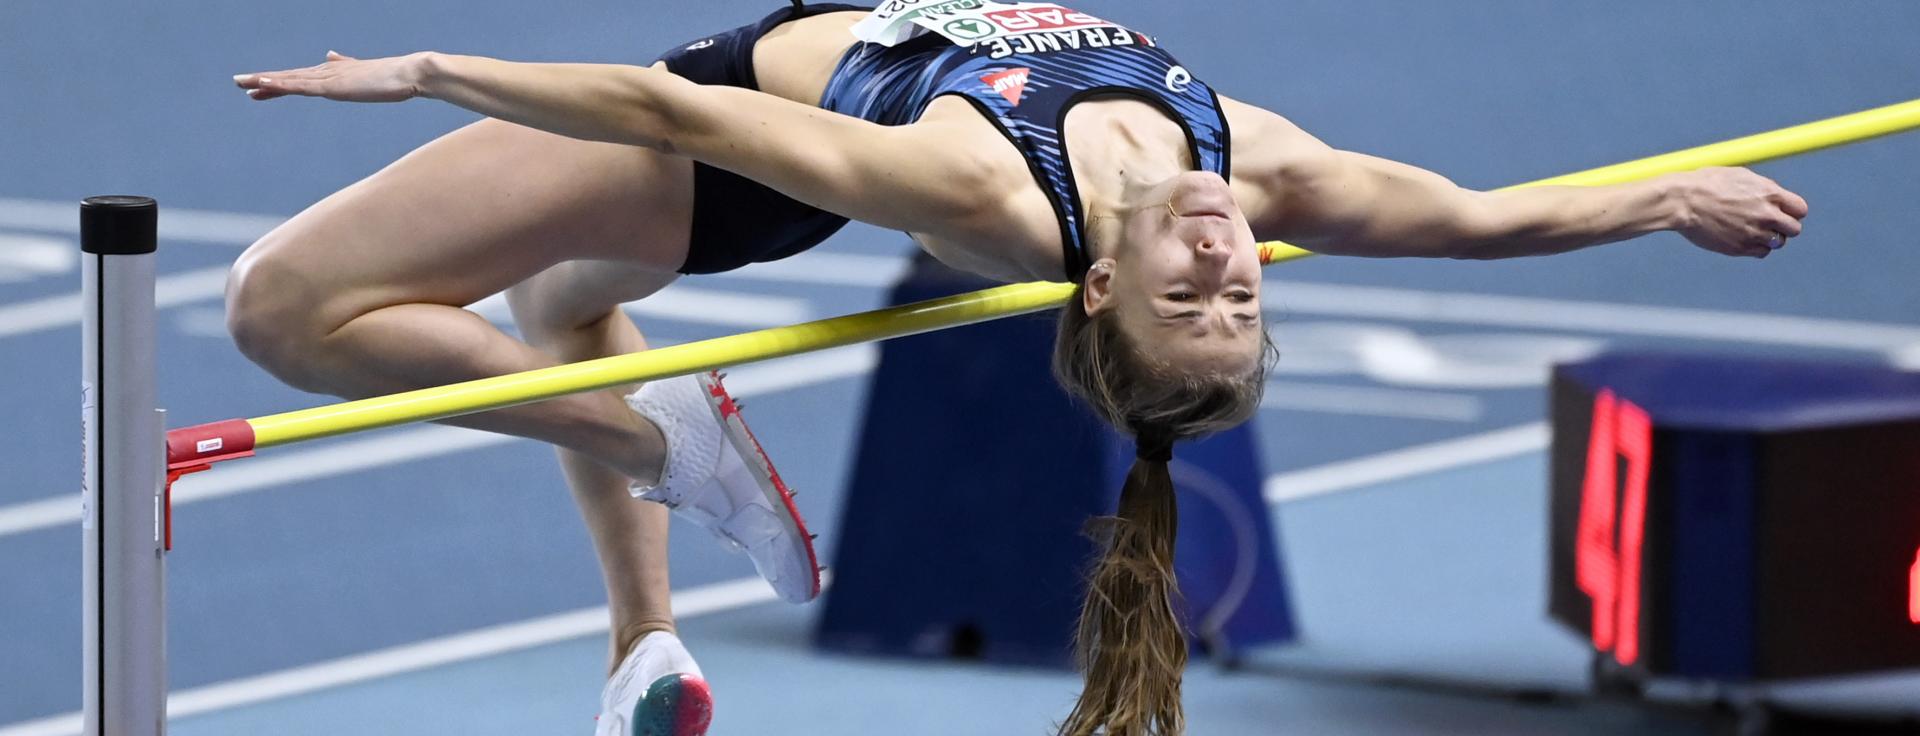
x,y
1474,246
653,109
1472,231
1425,244
1438,238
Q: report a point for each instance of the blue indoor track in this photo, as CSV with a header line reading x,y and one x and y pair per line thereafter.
x,y
431,580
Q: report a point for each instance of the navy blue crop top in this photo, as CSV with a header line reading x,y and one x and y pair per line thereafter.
x,y
1028,64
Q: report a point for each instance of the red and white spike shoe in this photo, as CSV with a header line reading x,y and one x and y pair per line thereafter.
x,y
718,476
656,691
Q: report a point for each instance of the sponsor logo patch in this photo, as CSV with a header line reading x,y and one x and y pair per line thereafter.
x,y
1009,83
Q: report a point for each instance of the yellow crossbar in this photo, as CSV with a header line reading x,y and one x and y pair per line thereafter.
x,y
521,388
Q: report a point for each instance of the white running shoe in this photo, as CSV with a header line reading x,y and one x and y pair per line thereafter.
x,y
717,476
657,691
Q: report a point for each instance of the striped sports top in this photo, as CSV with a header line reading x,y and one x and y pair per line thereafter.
x,y
1023,65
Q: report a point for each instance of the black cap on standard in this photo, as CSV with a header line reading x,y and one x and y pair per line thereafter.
x,y
118,225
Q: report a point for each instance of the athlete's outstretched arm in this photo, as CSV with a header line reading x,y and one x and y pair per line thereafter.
x,y
885,175
1338,202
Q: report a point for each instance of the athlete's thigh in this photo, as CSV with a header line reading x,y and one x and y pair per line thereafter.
x,y
475,212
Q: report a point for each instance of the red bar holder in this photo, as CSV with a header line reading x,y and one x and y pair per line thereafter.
x,y
196,448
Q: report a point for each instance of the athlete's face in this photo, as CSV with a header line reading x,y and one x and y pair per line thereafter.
x,y
1183,276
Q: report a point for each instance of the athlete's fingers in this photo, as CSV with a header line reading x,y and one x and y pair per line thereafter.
x,y
1792,204
1785,225
271,87
1760,237
264,80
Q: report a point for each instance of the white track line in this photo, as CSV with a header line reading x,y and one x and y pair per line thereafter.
x,y
691,304
1292,297
1407,462
392,447
29,257
233,228
476,644
276,471
734,309
847,269
496,640
1907,358
843,269
678,303
1330,398
170,290
227,228
828,269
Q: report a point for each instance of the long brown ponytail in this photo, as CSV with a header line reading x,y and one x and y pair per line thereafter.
x,y
1131,644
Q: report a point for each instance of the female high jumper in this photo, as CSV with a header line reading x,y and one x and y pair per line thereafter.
x,y
1017,141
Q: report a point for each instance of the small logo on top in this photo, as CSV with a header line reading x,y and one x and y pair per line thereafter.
x,y
971,29
1010,83
1178,78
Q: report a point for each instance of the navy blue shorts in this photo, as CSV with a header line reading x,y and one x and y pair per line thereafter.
x,y
736,220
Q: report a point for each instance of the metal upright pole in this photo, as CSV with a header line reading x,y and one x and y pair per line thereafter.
x,y
121,501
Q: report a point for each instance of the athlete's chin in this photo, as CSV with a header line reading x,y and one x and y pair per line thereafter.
x,y
1198,193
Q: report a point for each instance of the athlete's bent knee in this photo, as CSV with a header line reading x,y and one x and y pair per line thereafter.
x,y
271,320
560,305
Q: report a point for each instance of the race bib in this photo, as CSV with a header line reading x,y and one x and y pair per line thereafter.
x,y
893,21
1007,27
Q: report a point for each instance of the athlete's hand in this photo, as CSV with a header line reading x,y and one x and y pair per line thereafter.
x,y
341,77
1737,212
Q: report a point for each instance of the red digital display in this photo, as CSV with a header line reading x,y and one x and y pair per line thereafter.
x,y
1596,568
1613,521
1913,590
1704,527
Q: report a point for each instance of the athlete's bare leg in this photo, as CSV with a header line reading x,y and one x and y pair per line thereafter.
x,y
360,295
562,312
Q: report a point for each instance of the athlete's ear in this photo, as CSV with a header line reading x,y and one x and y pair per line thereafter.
x,y
1098,287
